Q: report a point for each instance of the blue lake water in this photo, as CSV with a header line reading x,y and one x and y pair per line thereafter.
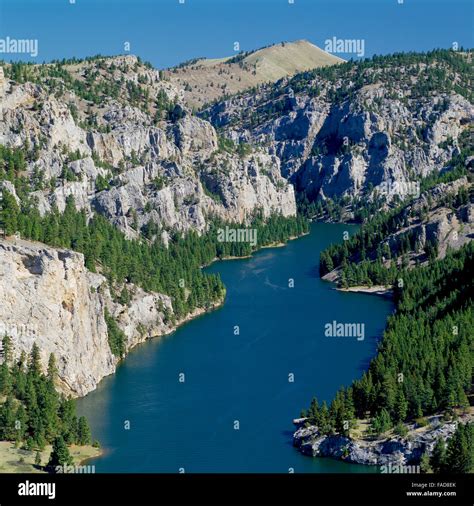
x,y
190,425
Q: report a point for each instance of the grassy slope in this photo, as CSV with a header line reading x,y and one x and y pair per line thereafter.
x,y
10,457
267,64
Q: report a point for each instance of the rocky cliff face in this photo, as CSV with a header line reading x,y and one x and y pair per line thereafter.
x,y
113,135
353,131
436,218
47,296
152,161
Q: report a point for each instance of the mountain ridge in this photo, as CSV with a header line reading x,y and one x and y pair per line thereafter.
x,y
206,80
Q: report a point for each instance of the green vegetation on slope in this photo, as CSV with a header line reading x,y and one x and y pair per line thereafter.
x,y
435,72
174,269
418,75
98,82
33,413
425,359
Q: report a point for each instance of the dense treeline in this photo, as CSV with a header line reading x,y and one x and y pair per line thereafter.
x,y
425,360
33,413
173,269
368,238
367,258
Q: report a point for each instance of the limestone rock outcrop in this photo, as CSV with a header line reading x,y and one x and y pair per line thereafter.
x,y
48,297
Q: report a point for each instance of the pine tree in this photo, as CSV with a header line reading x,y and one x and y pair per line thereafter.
x,y
34,365
21,422
401,406
381,422
7,419
60,455
9,212
68,421
313,412
459,454
83,432
5,375
388,394
425,463
325,425
349,411
438,457
52,369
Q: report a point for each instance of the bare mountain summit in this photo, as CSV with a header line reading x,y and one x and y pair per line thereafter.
x,y
205,80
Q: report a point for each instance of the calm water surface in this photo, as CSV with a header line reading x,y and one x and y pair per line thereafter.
x,y
243,377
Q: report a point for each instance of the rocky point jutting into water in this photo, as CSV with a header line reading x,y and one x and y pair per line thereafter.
x,y
382,451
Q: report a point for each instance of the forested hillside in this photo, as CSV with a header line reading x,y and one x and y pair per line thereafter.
x,y
102,156
147,263
424,363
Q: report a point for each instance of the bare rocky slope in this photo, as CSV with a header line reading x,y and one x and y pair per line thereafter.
x,y
49,297
124,160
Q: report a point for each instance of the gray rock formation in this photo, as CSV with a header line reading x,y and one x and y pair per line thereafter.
x,y
393,450
136,154
48,297
117,159
330,147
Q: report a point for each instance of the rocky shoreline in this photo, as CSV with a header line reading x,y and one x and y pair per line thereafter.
x,y
380,290
389,450
75,300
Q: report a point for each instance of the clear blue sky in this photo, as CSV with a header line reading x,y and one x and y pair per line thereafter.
x,y
166,32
